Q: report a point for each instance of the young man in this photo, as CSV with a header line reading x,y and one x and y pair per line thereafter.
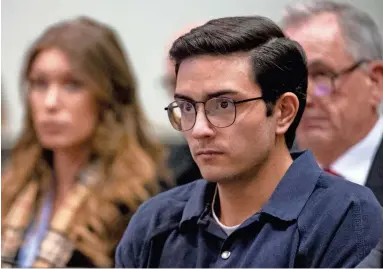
x,y
240,93
341,124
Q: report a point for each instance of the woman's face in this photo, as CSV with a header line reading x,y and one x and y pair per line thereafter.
x,y
64,109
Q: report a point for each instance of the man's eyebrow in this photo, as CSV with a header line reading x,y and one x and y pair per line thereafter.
x,y
209,96
318,64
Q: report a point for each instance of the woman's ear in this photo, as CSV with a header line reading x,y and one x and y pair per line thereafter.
x,y
286,110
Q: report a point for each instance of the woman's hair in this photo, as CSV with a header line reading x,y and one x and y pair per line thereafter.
x,y
131,162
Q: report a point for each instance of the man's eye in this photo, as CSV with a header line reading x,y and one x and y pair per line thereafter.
x,y
318,74
188,107
224,104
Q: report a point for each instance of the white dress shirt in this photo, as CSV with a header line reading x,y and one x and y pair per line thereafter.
x,y
355,163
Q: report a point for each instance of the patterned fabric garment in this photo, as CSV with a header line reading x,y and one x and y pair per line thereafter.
x,y
56,247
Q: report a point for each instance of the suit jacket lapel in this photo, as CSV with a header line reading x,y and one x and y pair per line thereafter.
x,y
375,175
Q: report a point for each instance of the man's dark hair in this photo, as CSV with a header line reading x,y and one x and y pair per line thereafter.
x,y
278,63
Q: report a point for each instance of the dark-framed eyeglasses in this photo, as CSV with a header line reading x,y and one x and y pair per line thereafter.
x,y
325,82
221,112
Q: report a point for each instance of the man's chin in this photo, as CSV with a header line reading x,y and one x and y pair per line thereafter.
x,y
215,174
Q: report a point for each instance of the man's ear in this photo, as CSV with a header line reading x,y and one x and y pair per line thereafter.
x,y
286,109
376,81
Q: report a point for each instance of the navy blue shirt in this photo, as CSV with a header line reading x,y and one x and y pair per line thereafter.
x,y
312,219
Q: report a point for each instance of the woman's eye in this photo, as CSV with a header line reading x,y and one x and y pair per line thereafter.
x,y
73,85
38,84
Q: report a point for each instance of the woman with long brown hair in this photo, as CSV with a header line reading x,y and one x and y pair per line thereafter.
x,y
85,159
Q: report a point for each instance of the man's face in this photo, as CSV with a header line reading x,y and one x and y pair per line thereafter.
x,y
340,116
237,150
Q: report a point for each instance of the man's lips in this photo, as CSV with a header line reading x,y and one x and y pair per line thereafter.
x,y
207,152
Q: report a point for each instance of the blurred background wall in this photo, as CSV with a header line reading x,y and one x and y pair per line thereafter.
x,y
145,28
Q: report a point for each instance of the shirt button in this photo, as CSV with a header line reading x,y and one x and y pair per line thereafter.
x,y
225,255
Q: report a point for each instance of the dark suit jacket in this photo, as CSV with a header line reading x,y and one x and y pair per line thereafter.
x,y
375,175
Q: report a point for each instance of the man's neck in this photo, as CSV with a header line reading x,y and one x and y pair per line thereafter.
x,y
242,197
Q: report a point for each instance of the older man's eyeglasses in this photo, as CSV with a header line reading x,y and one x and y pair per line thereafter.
x,y
220,112
325,81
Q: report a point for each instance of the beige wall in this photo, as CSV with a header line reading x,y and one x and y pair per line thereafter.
x,y
145,28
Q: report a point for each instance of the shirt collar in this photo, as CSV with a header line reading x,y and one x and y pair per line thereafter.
x,y
295,188
286,202
355,163
199,201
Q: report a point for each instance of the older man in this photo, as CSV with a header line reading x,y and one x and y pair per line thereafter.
x,y
341,123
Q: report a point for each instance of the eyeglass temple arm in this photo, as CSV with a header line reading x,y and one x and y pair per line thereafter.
x,y
248,100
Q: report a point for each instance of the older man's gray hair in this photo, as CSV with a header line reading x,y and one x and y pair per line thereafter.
x,y
360,33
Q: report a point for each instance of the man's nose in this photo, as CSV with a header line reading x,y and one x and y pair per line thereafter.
x,y
202,127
